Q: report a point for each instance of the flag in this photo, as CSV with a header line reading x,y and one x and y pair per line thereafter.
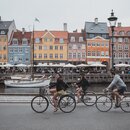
x,y
37,20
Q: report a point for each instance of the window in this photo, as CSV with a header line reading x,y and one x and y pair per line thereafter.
x,y
102,53
126,55
61,40
79,55
56,47
120,55
15,41
126,47
83,46
24,41
107,53
89,44
80,39
128,33
98,44
26,59
114,39
89,53
98,53
79,47
107,44
35,55
61,47
45,56
56,56
4,48
16,50
126,40
51,56
10,50
40,56
84,55
119,47
20,59
93,53
61,56
0,56
121,33
40,47
120,39
11,59
93,44
51,47
45,47
26,50
74,55
70,47
70,56
72,39
37,40
20,50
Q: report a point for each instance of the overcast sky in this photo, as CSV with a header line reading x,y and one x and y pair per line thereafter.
x,y
53,13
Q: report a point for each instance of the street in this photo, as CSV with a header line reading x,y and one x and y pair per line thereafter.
x,y
14,116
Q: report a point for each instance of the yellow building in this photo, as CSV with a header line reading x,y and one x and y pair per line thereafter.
x,y
50,46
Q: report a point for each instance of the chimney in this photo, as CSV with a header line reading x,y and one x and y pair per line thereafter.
x,y
23,31
119,24
65,26
96,21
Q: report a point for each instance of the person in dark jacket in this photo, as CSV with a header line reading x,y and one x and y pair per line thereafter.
x,y
60,90
82,86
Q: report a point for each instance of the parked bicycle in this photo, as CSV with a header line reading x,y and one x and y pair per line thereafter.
x,y
105,102
40,103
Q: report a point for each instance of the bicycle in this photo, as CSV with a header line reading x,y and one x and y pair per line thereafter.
x,y
105,102
66,103
88,97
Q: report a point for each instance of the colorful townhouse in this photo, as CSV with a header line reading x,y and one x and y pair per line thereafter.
x,y
7,29
97,40
76,48
50,47
19,49
121,41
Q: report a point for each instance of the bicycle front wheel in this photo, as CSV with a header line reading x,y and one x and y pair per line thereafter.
x,y
89,98
103,103
125,104
67,103
39,104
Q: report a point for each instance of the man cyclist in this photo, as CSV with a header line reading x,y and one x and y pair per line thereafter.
x,y
82,86
120,87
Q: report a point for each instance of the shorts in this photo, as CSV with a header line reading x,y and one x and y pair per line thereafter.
x,y
121,90
61,92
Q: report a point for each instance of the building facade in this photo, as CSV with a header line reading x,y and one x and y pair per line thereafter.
x,y
97,39
76,48
50,47
7,29
121,44
19,49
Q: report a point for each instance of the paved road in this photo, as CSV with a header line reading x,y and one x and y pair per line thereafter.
x,y
14,116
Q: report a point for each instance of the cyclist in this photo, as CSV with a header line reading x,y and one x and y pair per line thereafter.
x,y
82,86
60,90
121,87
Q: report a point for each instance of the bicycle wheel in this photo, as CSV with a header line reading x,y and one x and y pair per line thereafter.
x,y
103,103
125,104
39,104
89,98
67,103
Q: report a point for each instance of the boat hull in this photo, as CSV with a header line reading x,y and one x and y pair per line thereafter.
x,y
27,83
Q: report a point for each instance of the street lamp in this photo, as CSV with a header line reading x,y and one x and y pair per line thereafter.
x,y
112,20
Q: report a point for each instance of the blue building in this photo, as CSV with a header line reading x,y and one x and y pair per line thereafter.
x,y
19,48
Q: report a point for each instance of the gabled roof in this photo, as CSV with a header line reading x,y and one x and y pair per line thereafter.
x,y
5,24
100,27
56,34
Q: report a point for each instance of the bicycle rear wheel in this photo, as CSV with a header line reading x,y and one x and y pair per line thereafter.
x,y
125,104
67,103
89,98
103,103
39,104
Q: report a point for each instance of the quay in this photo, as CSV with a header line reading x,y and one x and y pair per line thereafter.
x,y
73,77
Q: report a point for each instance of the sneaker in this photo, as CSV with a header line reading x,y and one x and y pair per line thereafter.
x,y
116,106
55,109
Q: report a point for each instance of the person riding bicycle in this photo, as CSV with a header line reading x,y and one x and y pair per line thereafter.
x,y
60,90
82,86
120,87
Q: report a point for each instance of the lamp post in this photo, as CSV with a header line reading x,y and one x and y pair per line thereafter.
x,y
112,20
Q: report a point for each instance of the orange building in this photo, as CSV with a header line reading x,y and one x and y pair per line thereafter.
x,y
50,46
97,40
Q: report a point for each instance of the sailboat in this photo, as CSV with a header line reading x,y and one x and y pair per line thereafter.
x,y
29,82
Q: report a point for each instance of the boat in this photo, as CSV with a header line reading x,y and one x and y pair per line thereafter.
x,y
31,81
27,83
